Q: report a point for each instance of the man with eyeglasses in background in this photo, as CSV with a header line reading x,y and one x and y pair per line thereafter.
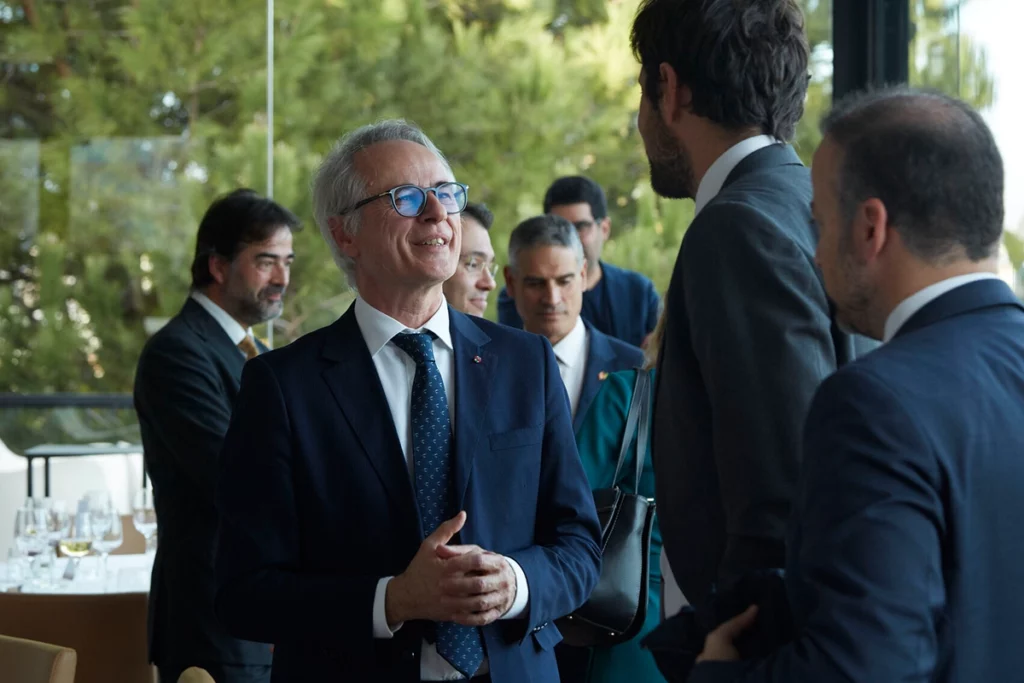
x,y
618,302
468,289
402,499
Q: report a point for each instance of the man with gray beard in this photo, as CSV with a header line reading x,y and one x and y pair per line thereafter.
x,y
185,388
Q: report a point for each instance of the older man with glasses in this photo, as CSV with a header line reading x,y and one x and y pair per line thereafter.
x,y
467,290
357,453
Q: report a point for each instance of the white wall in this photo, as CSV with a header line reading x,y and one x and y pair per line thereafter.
x,y
70,480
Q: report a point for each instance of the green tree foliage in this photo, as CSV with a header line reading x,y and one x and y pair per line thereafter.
x,y
121,120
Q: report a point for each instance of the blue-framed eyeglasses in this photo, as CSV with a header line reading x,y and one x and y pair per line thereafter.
x,y
410,200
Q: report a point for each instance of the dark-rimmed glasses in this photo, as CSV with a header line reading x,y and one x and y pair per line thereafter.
x,y
411,200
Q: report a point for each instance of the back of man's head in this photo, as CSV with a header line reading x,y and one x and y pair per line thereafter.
x,y
931,160
745,61
577,190
232,221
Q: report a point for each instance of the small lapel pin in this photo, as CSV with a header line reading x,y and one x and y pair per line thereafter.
x,y
478,359
603,375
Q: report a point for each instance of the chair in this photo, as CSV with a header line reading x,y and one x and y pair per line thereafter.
x,y
29,661
194,674
107,632
132,542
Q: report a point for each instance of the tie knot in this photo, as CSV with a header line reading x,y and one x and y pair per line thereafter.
x,y
419,346
249,348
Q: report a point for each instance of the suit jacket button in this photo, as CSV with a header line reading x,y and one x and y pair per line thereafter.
x,y
409,655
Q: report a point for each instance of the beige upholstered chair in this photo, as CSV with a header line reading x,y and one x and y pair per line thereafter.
x,y
28,661
194,674
107,632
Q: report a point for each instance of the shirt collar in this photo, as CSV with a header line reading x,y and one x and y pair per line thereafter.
x,y
570,350
713,181
379,328
236,333
915,302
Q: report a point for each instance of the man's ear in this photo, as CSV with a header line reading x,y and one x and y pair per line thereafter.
x,y
346,244
674,97
871,231
219,268
605,224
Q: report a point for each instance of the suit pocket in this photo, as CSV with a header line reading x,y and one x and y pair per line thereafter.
x,y
517,438
547,637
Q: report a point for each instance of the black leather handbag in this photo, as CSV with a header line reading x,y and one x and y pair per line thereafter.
x,y
616,610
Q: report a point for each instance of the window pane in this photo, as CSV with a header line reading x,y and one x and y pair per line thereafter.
x,y
969,48
121,121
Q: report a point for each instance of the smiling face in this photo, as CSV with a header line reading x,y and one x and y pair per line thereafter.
x,y
251,286
393,252
468,289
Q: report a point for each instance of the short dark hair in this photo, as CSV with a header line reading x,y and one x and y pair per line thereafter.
x,y
932,161
233,221
480,213
577,189
746,61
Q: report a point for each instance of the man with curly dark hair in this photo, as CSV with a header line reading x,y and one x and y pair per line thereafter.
x,y
749,335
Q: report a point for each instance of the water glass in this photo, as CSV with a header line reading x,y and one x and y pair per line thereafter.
x,y
144,515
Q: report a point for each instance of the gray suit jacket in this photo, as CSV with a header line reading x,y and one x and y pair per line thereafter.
x,y
748,339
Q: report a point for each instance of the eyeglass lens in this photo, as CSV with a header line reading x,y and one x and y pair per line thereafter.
x,y
410,200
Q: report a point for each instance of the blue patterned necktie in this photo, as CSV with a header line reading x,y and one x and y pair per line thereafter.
x,y
461,646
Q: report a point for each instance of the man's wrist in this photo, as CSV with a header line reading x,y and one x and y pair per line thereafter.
x,y
394,607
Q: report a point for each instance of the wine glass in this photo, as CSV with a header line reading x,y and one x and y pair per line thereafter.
x,y
144,515
77,543
30,534
107,533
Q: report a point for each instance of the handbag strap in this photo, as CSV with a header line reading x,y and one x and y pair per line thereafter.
x,y
639,413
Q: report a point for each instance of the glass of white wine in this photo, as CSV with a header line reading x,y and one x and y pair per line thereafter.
x,y
77,543
144,516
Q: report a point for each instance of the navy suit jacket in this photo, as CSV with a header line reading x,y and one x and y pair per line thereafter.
x,y
624,305
906,560
316,502
185,388
605,355
748,340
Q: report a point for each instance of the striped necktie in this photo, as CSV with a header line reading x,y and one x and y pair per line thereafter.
x,y
248,347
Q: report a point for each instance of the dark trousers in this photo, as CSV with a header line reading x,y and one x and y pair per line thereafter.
x,y
222,673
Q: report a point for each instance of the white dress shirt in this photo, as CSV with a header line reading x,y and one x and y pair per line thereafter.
x,y
396,371
672,598
915,302
571,353
712,182
236,333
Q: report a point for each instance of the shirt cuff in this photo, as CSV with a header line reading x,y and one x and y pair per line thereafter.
x,y
380,619
522,592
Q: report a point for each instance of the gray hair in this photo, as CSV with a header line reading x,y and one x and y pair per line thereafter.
x,y
337,185
547,230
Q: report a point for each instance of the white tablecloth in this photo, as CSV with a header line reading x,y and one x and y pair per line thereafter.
x,y
125,574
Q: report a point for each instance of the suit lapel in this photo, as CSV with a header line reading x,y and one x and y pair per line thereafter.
x,y
599,358
352,379
207,327
475,369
